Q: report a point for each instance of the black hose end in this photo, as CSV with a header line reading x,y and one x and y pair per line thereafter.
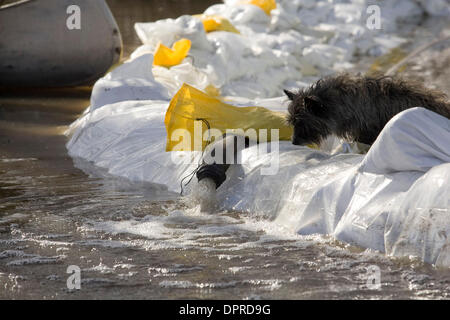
x,y
216,172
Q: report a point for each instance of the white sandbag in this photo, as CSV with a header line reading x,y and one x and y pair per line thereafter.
x,y
168,31
240,14
348,12
172,79
129,81
436,7
414,140
420,227
323,55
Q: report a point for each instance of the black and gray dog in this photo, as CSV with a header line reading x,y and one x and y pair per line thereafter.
x,y
356,107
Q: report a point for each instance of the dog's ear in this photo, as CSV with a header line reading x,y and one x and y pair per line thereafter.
x,y
289,94
314,106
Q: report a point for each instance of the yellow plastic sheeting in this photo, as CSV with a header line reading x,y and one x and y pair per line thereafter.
x,y
216,23
189,105
167,57
212,91
266,5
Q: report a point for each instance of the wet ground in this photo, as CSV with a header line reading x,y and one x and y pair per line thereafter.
x,y
139,241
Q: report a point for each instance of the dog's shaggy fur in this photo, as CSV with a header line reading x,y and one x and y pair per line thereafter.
x,y
356,107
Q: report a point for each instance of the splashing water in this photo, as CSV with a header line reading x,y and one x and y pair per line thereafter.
x,y
204,195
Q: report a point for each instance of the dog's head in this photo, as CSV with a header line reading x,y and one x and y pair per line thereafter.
x,y
309,116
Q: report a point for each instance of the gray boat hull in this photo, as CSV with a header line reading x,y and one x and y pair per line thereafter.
x,y
37,48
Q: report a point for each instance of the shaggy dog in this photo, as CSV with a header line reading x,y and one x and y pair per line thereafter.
x,y
356,108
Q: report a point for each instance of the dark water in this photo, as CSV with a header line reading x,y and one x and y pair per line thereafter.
x,y
140,241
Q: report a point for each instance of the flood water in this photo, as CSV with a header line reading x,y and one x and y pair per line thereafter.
x,y
139,241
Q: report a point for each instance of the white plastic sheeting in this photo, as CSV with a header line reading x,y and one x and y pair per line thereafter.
x,y
395,199
130,81
299,41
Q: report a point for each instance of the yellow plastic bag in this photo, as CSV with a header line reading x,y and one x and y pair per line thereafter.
x,y
216,23
191,112
167,57
266,5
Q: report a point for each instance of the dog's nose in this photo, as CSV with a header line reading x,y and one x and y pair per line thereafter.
x,y
296,141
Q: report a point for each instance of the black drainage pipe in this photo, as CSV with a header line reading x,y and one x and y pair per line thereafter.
x,y
217,171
